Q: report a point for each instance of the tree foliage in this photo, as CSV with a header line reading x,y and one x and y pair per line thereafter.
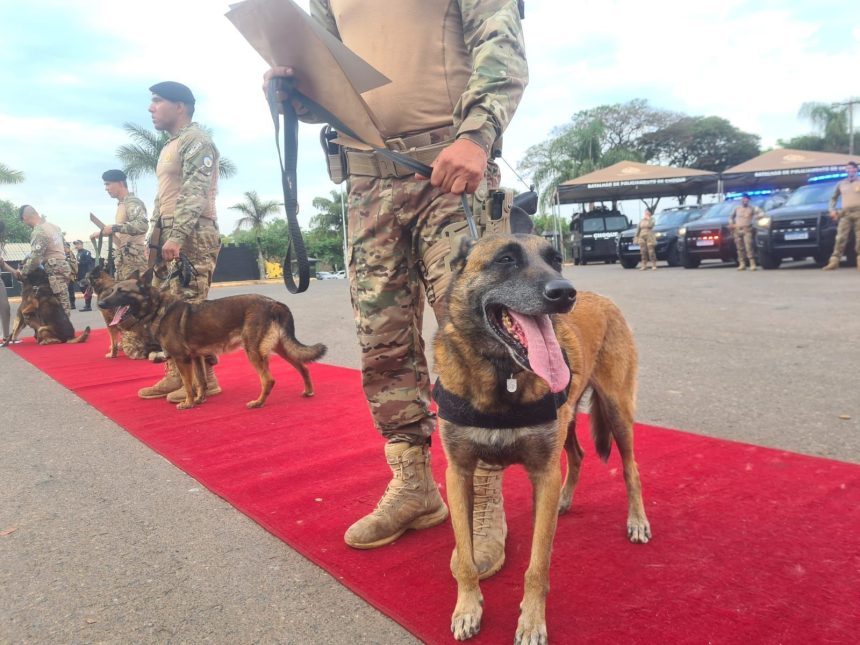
x,y
831,129
254,213
14,229
10,176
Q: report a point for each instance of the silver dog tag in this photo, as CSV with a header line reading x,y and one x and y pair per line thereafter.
x,y
512,384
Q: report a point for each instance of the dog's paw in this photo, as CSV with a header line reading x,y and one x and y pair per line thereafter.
x,y
530,633
256,403
110,355
185,405
638,530
466,624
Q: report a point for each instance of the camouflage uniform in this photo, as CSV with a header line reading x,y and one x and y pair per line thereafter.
x,y
647,241
849,217
129,241
185,206
397,249
741,221
49,251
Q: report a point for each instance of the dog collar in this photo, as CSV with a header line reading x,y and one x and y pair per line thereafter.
x,y
455,409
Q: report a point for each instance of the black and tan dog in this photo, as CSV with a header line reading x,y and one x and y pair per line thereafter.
x,y
139,343
190,334
514,358
42,310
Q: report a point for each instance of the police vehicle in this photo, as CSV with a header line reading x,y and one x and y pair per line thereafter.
x,y
666,224
594,235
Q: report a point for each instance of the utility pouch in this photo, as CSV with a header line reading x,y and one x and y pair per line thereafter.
x,y
495,218
335,157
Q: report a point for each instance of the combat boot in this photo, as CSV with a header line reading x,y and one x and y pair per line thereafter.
x,y
212,386
742,266
87,306
411,500
753,265
653,265
643,267
858,262
489,528
832,265
165,386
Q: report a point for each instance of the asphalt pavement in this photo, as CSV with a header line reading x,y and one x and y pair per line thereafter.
x,y
104,541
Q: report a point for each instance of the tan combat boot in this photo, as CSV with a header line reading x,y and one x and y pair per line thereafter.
x,y
742,266
858,262
643,267
165,386
489,528
653,265
411,500
212,386
832,265
753,265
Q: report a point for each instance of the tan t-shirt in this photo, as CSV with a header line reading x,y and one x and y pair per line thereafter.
x,y
850,191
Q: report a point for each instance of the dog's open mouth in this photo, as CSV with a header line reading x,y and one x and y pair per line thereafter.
x,y
532,342
119,315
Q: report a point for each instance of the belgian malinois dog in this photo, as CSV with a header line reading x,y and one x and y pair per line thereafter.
x,y
190,334
514,358
42,310
103,285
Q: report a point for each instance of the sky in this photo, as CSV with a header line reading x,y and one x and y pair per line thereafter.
x,y
72,73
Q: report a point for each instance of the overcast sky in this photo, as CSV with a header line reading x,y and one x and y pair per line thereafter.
x,y
72,73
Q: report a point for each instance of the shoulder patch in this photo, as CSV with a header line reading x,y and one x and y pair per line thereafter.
x,y
207,161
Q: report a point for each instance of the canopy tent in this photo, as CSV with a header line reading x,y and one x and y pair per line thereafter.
x,y
782,168
633,180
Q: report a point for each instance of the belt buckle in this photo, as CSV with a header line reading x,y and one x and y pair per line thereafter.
x,y
397,144
385,165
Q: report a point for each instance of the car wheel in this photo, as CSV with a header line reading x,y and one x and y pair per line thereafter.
x,y
821,259
583,261
673,257
767,260
691,263
629,263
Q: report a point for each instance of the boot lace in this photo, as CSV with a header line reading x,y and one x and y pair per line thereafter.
x,y
393,489
487,495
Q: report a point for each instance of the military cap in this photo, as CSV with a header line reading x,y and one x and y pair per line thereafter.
x,y
173,91
114,175
853,164
745,196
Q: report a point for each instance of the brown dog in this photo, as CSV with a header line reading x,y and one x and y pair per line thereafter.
x,y
514,358
42,310
190,334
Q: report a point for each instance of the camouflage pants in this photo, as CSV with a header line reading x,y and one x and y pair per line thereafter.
x,y
128,260
397,256
848,219
744,244
201,248
59,276
647,244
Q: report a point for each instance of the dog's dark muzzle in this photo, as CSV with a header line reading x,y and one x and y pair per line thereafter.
x,y
559,295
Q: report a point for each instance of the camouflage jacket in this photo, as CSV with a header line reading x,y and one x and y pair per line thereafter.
x,y
493,36
187,174
136,222
46,244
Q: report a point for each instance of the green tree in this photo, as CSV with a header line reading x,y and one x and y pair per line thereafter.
x,y
324,238
140,157
15,229
831,129
9,176
254,212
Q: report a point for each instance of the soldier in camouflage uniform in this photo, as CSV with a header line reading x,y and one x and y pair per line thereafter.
x,y
646,241
129,244
49,252
448,104
848,217
741,223
184,218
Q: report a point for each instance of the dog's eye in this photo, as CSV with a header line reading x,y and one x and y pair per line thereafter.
x,y
505,259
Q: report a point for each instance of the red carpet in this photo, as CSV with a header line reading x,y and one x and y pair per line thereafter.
x,y
751,545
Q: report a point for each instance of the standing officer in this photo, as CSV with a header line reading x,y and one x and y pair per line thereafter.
x,y
72,259
646,241
47,250
184,219
740,223
86,263
448,104
848,217
129,231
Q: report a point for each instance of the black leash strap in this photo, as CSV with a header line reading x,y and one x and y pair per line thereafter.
x,y
289,161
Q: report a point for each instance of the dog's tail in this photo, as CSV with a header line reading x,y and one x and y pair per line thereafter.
x,y
290,344
603,415
82,338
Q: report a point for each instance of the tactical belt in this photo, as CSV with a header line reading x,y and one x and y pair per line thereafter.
x,y
374,164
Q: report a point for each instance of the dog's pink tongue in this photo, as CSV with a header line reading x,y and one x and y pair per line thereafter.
x,y
118,314
545,354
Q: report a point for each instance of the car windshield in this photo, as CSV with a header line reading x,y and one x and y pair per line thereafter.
x,y
811,194
593,225
671,218
616,223
719,211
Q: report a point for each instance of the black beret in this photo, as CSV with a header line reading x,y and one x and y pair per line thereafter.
x,y
852,163
114,175
173,91
745,196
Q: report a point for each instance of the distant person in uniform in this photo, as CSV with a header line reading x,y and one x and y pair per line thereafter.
x,y
129,229
73,272
848,217
646,241
741,224
5,309
86,263
47,250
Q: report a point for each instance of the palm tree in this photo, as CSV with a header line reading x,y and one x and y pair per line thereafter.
x,y
254,212
9,176
140,158
830,122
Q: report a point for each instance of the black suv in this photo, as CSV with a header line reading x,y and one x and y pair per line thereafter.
x,y
800,229
666,224
595,235
709,237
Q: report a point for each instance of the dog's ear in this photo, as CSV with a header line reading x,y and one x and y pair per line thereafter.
x,y
459,261
146,278
520,221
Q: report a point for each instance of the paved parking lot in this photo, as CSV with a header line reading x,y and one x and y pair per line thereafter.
x,y
113,544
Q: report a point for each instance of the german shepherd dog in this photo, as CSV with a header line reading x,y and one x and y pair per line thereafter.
x,y
103,285
42,310
511,347
190,334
